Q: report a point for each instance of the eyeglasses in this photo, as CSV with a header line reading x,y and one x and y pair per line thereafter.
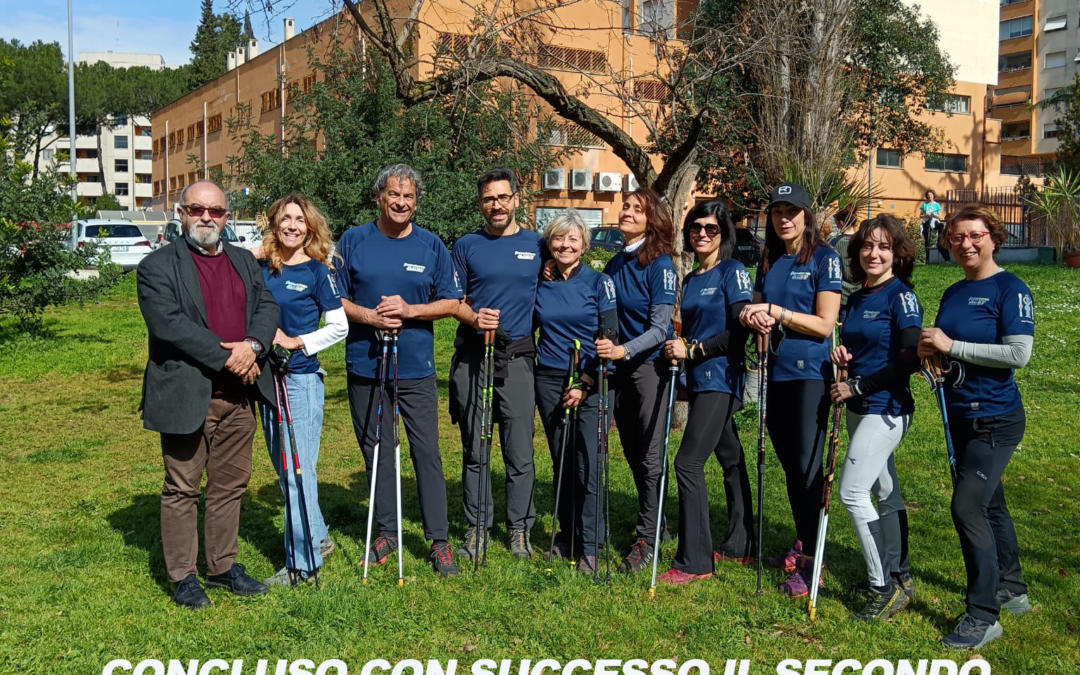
x,y
197,210
975,237
502,199
711,229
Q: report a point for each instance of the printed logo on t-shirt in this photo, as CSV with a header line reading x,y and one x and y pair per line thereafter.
x,y
419,269
870,314
525,255
977,302
1027,309
834,269
295,286
910,304
800,364
669,281
799,276
709,291
742,279
333,284
609,290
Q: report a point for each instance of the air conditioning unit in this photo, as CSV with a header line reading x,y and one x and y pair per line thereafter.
x,y
555,179
608,182
580,179
631,183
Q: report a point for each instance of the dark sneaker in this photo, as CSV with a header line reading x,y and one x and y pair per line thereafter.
x,y
638,558
786,560
1017,604
236,581
972,633
882,605
441,559
189,593
382,548
586,564
520,546
904,581
327,547
468,547
288,577
561,550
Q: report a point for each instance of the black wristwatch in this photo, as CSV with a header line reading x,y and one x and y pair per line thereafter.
x,y
255,345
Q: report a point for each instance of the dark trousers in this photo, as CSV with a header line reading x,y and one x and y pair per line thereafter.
x,y
710,430
640,413
419,403
798,418
581,478
221,448
987,537
513,407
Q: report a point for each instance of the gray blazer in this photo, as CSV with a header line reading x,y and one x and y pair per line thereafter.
x,y
184,355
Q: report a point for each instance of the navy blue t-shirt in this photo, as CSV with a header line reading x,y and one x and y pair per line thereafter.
x,y
871,331
795,287
416,267
984,312
570,310
639,288
501,273
705,301
303,292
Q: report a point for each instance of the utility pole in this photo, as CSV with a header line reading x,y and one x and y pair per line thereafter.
x,y
71,126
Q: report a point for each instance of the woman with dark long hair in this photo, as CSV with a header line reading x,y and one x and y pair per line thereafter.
x,y
879,340
713,346
797,298
645,284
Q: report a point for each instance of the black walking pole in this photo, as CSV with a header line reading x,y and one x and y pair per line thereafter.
x,y
285,478
674,385
562,455
839,375
763,387
486,393
603,424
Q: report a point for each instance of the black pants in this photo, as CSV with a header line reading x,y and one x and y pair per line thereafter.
x,y
640,413
987,537
710,430
581,478
798,418
419,403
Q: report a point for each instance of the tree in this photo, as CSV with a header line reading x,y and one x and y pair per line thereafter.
x,y
215,37
33,94
1067,102
248,33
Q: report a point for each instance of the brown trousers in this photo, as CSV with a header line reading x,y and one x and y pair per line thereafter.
x,y
222,448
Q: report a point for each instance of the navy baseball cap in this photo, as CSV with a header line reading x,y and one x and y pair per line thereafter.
x,y
792,193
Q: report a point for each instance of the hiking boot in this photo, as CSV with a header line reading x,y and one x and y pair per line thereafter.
x,y
327,547
637,558
676,577
441,559
882,605
382,548
903,580
288,577
586,564
560,550
237,581
972,633
719,557
189,593
468,547
520,546
1017,604
786,561
798,584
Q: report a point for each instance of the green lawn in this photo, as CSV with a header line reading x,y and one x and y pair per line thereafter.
x,y
82,579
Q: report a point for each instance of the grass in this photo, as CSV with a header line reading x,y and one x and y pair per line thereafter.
x,y
82,578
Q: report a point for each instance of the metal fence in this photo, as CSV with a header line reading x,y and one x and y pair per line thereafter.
x,y
1023,227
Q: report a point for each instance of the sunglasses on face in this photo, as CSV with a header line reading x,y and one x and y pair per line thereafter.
x,y
975,237
711,229
197,210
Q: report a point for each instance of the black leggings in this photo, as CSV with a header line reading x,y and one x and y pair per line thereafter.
x,y
710,430
798,417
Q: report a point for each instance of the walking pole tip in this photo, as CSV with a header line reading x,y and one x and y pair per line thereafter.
x,y
652,592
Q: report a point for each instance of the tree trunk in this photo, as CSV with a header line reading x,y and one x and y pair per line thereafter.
x,y
677,196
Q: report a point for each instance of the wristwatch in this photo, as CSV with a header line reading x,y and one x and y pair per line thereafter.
x,y
625,354
853,385
255,345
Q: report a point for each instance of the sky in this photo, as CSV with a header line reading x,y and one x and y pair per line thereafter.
x,y
144,26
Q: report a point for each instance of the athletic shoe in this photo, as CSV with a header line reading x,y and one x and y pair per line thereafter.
x,y
189,593
972,633
786,561
586,564
882,605
382,548
520,546
468,547
236,581
327,547
676,577
718,557
637,558
561,550
288,577
441,559
1017,604
904,581
798,584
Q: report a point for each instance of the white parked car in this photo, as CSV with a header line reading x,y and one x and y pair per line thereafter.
x,y
122,238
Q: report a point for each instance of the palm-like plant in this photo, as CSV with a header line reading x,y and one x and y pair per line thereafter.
x,y
1058,202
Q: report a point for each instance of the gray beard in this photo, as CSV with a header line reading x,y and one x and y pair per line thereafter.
x,y
207,241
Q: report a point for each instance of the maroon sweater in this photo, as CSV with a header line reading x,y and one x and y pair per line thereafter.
x,y
226,305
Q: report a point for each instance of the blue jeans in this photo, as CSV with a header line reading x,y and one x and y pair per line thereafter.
x,y
306,399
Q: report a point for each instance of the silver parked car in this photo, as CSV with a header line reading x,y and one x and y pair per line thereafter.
x,y
121,238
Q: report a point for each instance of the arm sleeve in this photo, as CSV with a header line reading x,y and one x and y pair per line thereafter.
x,y
829,272
734,337
333,331
898,371
458,259
446,284
656,333
342,276
1014,352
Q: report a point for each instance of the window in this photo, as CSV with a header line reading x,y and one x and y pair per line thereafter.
x,y
271,100
93,178
172,139
48,154
1011,2
1055,60
119,121
144,154
121,189
179,136
120,142
1015,131
656,16
569,58
172,183
953,163
1049,93
146,132
955,103
651,90
1018,27
309,80
571,134
214,123
889,158
142,178
1055,23
1050,130
1008,63
120,165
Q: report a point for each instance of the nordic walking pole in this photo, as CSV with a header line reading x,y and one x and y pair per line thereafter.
x,y
830,473
285,478
384,338
935,374
763,388
397,460
603,415
674,385
305,521
562,456
485,447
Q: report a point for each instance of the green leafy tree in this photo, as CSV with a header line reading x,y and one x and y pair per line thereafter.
x,y
33,94
107,202
1067,102
249,33
215,37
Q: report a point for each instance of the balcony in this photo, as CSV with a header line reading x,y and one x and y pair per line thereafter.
x,y
144,166
144,189
89,190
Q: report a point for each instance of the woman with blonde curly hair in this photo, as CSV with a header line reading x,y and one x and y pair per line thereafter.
x,y
298,271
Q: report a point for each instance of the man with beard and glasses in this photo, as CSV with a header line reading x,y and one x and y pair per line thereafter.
x,y
210,321
499,268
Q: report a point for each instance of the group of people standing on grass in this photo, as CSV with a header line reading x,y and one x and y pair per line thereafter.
x,y
213,318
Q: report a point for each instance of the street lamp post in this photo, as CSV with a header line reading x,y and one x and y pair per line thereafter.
x,y
71,125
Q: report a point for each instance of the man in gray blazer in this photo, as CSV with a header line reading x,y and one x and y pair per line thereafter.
x,y
211,321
